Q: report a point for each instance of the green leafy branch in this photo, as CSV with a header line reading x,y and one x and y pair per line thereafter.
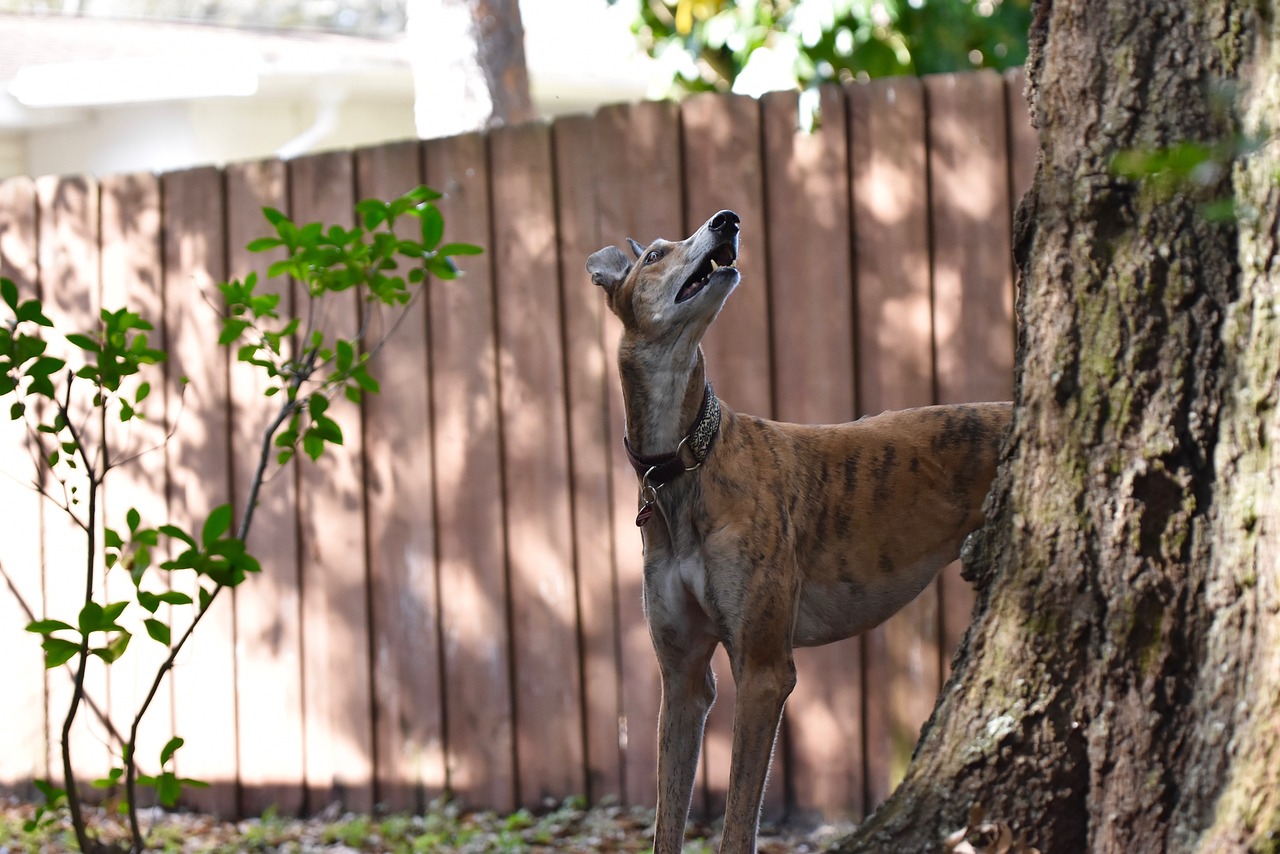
x,y
306,366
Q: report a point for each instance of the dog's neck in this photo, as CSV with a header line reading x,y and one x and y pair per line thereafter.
x,y
662,396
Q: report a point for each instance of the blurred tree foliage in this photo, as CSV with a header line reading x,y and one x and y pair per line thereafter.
x,y
710,44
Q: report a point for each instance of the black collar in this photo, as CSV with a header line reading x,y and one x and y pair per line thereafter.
x,y
659,469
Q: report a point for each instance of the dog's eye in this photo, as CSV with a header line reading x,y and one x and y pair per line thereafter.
x,y
653,257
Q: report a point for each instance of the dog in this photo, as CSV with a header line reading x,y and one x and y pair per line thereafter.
x,y
761,535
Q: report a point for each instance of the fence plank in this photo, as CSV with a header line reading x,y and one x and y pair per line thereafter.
x,y
268,607
23,739
473,591
972,279
721,149
811,298
535,467
132,278
70,288
405,611
638,180
335,630
586,377
1024,141
204,676
901,657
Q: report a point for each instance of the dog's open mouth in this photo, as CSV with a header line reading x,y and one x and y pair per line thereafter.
x,y
724,255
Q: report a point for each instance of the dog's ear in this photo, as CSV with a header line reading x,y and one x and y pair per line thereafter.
x,y
635,247
608,268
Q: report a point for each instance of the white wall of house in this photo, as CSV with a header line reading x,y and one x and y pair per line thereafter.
x,y
306,98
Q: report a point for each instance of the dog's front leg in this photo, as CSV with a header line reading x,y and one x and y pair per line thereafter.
x,y
765,673
688,690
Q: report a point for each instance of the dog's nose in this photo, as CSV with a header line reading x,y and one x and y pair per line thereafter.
x,y
726,221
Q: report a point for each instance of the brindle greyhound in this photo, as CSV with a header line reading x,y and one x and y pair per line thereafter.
x,y
761,535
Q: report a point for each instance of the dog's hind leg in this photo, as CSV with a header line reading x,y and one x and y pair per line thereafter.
x,y
762,692
688,690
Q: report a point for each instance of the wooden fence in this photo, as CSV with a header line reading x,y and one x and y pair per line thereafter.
x,y
452,601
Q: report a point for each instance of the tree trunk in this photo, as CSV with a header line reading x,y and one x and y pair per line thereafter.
x,y
468,63
1119,689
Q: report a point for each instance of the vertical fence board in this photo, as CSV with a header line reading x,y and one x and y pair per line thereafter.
x,y
473,613
586,374
535,466
335,628
204,675
267,607
23,738
132,278
404,606
973,286
722,169
811,298
70,289
1024,142
638,180
895,371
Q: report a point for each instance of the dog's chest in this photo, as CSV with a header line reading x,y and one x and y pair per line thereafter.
x,y
676,573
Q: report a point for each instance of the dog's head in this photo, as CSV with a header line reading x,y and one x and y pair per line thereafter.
x,y
671,287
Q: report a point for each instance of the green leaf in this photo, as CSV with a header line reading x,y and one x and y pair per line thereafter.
x,y
44,627
92,618
158,631
170,748
441,267
344,354
176,533
148,600
108,781
84,342
312,445
10,293
168,789
188,559
274,216
111,538
317,404
33,312
58,651
218,523
52,794
262,244
372,212
112,651
460,249
280,268
232,329
44,366
206,598
432,227
422,193
133,519
327,429
113,611
174,597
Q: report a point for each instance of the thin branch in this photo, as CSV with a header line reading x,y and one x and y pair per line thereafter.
x,y
31,618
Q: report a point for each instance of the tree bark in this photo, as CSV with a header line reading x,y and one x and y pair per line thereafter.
x,y
1119,689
